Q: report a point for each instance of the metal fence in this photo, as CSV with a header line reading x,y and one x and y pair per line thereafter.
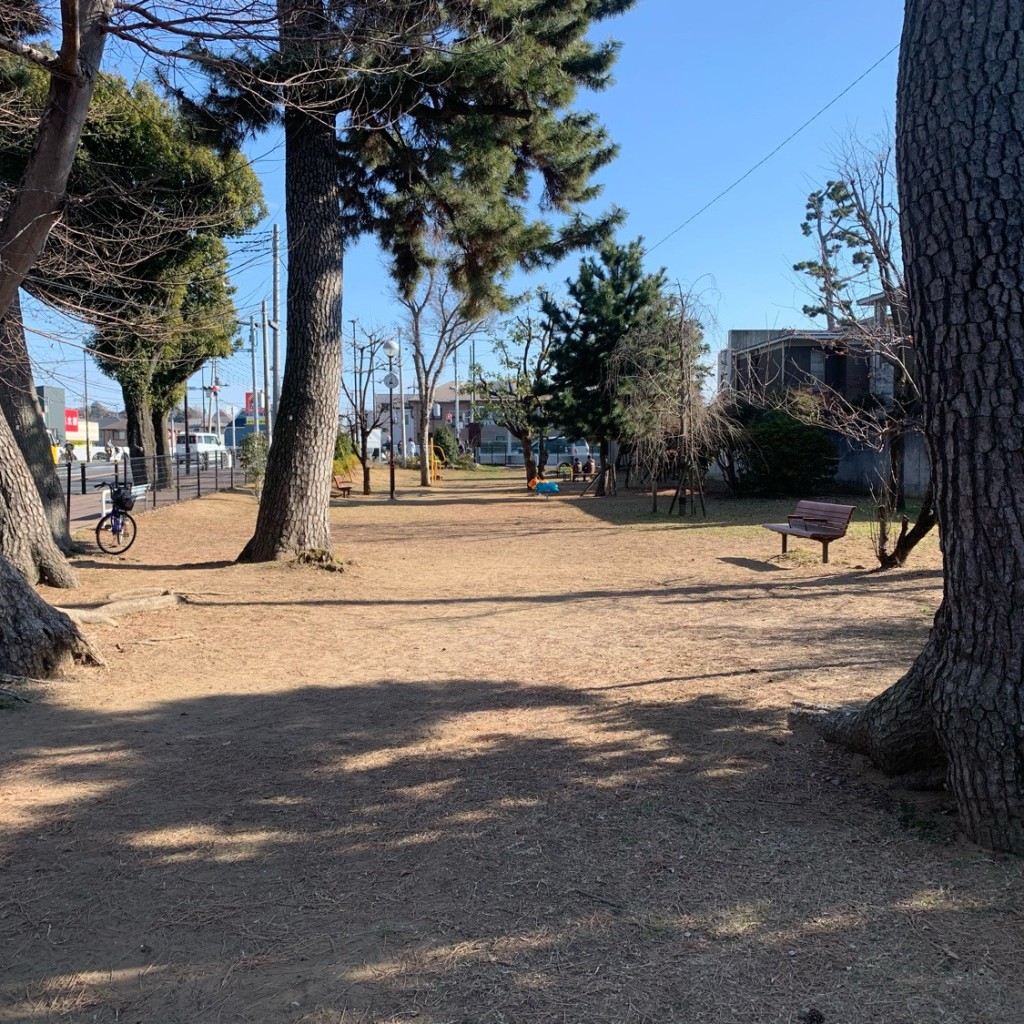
x,y
170,478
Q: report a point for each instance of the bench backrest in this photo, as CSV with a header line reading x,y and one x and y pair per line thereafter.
x,y
138,491
837,517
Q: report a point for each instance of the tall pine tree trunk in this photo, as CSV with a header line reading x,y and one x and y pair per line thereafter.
x,y
296,495
960,123
20,405
25,537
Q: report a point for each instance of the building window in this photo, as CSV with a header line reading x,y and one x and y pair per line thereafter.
x,y
818,364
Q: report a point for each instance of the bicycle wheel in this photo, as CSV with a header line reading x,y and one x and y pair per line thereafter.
x,y
115,533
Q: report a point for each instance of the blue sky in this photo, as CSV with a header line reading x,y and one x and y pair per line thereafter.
x,y
703,92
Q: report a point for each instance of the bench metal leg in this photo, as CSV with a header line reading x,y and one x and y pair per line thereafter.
x,y
824,552
784,539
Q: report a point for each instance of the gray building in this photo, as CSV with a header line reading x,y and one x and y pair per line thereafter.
x,y
52,401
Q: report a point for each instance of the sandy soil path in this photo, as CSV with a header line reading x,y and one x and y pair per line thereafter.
x,y
524,761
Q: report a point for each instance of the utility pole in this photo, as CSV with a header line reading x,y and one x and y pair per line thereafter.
x,y
276,322
85,388
355,381
215,389
401,395
266,378
455,359
472,377
255,388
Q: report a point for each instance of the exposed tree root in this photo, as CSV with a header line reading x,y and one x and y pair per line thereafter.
x,y
319,559
896,729
104,613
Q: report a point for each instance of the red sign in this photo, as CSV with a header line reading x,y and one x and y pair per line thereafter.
x,y
249,403
71,421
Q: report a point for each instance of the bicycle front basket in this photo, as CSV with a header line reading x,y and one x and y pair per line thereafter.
x,y
122,498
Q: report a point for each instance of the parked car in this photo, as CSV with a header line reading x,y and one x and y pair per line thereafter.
x,y
204,450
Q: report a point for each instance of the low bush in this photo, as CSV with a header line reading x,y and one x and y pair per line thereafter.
x,y
778,456
252,456
445,443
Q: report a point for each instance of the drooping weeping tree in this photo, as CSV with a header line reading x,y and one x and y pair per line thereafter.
x,y
657,373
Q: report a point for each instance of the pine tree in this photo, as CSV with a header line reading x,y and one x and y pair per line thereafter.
x,y
960,707
611,296
410,121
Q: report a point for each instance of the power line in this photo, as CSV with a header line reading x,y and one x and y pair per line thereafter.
x,y
832,102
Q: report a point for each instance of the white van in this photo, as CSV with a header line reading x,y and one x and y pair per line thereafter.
x,y
204,450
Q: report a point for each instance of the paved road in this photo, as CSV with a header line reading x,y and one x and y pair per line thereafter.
x,y
86,507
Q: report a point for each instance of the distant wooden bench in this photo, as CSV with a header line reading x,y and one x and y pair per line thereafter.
x,y
815,520
342,486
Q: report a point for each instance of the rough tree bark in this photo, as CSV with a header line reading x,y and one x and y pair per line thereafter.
x,y
25,538
162,446
36,640
296,495
139,428
38,202
423,427
960,121
20,406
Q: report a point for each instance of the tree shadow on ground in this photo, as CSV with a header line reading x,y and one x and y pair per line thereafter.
x,y
477,852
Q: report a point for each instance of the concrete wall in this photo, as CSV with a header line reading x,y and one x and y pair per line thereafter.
x,y
859,467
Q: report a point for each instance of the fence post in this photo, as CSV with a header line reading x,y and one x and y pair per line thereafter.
x,y
84,489
69,495
177,477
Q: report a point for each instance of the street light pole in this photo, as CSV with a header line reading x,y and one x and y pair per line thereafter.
x,y
85,400
391,350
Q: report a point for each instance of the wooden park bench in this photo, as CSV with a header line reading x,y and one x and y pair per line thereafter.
x,y
342,486
815,520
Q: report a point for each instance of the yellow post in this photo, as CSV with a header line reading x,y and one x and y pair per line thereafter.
x,y
435,463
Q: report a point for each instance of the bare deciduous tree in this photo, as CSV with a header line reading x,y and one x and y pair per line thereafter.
x,y
439,320
516,392
859,290
360,391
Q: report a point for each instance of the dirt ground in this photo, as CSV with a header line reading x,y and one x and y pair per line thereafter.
x,y
524,761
